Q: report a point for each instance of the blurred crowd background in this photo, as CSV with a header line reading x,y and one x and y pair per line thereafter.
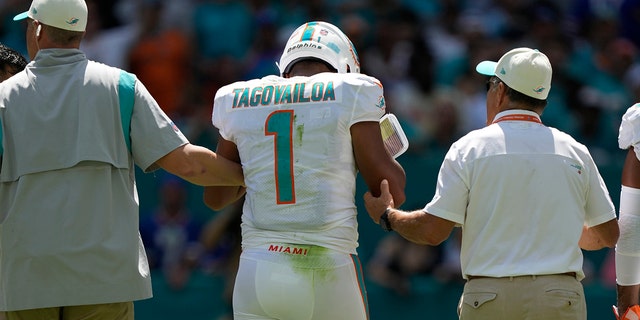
x,y
424,52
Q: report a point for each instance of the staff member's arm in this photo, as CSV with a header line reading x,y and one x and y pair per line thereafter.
x,y
202,166
416,226
218,197
599,236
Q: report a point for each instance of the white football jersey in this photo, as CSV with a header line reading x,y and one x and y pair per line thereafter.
x,y
295,147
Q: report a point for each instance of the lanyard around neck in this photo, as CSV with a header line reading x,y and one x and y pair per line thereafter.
x,y
518,117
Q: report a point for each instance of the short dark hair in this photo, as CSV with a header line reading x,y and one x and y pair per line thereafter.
x,y
12,59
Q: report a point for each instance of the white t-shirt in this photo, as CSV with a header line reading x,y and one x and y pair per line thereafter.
x,y
521,192
293,137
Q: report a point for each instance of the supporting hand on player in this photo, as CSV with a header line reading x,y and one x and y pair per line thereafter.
x,y
377,205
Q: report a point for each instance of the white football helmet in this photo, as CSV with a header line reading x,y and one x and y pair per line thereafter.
x,y
321,40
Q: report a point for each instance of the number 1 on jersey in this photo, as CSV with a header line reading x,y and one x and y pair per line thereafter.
x,y
279,124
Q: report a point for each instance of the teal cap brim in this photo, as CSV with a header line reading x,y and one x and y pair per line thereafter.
x,y
488,68
21,16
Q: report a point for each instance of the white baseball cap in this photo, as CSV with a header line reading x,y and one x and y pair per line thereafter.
x,y
525,70
64,14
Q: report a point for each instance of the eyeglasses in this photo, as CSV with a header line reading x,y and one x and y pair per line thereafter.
x,y
492,80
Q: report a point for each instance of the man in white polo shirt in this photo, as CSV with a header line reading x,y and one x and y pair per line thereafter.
x,y
527,197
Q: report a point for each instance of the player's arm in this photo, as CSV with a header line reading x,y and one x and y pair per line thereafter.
x,y
416,226
202,166
386,181
628,246
218,197
373,161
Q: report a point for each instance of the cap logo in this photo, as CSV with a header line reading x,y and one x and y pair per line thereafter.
x,y
577,167
502,71
381,103
35,11
72,21
539,90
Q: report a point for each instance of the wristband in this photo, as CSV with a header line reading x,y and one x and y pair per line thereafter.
x,y
384,220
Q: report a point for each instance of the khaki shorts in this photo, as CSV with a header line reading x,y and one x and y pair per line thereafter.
x,y
109,311
523,297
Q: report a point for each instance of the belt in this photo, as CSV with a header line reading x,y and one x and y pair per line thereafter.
x,y
570,274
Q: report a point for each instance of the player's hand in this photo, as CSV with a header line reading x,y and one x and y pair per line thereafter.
x,y
633,313
377,205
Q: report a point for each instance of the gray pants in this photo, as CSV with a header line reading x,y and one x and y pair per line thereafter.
x,y
524,297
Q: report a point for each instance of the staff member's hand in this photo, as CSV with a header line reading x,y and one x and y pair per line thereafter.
x,y
376,206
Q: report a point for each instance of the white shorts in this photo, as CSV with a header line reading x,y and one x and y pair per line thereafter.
x,y
299,282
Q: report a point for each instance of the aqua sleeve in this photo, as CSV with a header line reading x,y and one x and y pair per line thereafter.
x,y
126,90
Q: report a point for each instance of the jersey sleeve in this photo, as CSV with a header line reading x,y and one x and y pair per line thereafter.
x,y
369,102
224,101
220,105
629,134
